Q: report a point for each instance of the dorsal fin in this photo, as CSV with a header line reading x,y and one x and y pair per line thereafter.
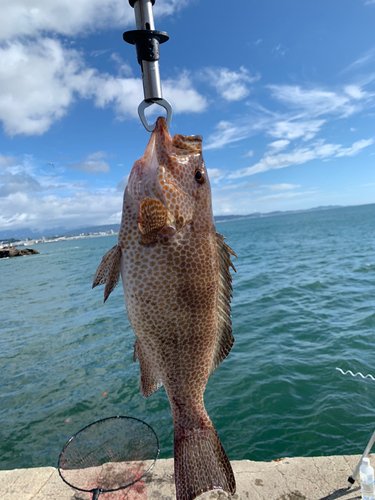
x,y
225,338
108,271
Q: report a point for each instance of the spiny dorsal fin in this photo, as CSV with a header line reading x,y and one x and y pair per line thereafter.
x,y
225,338
108,271
150,383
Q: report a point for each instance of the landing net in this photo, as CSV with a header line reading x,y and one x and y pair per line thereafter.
x,y
109,455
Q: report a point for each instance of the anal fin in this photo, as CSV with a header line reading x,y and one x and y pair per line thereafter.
x,y
108,271
150,382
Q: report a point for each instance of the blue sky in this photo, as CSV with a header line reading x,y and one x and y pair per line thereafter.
x,y
283,93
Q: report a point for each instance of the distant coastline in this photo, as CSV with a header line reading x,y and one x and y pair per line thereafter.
x,y
26,237
54,239
256,215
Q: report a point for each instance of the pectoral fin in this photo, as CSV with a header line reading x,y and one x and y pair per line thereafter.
x,y
156,223
150,382
153,215
108,272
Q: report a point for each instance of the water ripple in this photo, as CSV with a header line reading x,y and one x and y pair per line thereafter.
x,y
304,302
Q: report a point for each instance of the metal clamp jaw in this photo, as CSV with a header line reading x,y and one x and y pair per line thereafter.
x,y
146,40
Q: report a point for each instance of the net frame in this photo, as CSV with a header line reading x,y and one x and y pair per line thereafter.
x,y
97,491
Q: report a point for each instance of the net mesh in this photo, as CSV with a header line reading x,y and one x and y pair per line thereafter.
x,y
108,455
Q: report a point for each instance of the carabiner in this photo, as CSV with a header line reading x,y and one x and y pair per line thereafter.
x,y
160,102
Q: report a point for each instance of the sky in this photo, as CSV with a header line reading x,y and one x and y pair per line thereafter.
x,y
282,91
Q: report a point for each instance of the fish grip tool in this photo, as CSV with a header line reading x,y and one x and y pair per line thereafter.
x,y
147,40
109,455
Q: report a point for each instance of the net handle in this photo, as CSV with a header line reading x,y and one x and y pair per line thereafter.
x,y
96,493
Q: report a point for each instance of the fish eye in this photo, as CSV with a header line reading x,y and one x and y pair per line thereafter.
x,y
199,176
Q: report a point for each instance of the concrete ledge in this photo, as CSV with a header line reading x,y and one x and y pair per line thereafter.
x,y
317,478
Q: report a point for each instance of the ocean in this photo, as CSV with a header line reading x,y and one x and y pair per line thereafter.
x,y
303,305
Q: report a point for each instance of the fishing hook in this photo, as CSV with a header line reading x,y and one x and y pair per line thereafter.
x,y
146,40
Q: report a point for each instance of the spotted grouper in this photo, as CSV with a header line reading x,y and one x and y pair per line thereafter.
x,y
177,285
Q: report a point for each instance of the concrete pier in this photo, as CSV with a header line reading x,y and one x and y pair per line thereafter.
x,y
317,478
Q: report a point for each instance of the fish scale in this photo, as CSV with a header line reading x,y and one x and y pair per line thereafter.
x,y
177,286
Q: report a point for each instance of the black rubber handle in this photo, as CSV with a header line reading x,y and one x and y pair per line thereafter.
x,y
132,2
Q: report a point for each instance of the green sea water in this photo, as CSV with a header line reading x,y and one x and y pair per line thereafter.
x,y
304,304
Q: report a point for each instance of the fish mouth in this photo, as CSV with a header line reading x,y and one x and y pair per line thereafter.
x,y
148,178
153,189
144,181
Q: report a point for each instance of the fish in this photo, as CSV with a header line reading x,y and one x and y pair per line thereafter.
x,y
175,271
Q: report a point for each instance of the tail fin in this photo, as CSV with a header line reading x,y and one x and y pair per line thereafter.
x,y
200,463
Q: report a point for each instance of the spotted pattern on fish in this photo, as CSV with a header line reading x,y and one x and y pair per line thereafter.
x,y
177,287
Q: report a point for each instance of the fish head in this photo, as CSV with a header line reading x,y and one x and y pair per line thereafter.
x,y
169,184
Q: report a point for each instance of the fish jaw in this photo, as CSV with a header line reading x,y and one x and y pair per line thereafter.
x,y
165,177
143,179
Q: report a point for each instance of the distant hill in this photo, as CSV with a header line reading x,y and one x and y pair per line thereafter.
x,y
21,234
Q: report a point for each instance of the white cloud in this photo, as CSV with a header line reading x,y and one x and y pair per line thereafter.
x,y
227,133
22,210
285,130
295,129
249,154
14,183
215,174
316,101
122,94
71,17
283,196
7,161
182,96
124,67
361,61
299,156
92,164
355,148
36,84
279,50
281,187
271,162
41,79
231,85
237,186
355,91
308,111
281,144
98,53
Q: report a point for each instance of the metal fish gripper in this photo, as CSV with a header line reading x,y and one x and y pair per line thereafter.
x,y
147,40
